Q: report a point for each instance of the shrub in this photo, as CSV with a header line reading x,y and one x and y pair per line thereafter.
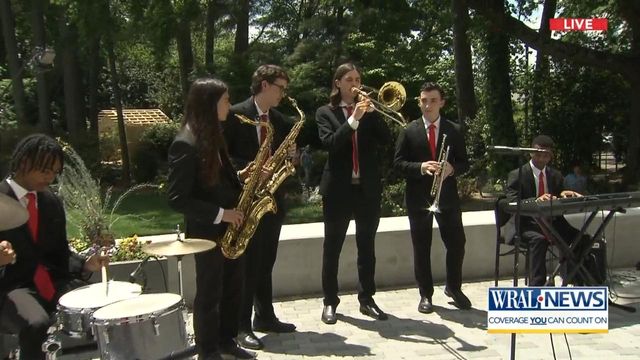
x,y
128,249
152,151
393,200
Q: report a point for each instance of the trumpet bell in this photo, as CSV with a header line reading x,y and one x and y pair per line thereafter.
x,y
393,95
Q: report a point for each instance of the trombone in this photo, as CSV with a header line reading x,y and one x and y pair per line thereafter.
x,y
391,97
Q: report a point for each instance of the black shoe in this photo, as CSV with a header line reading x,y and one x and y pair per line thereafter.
x,y
249,340
274,325
425,306
236,352
459,298
329,314
372,310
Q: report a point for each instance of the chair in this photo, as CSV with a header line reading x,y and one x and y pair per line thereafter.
x,y
502,218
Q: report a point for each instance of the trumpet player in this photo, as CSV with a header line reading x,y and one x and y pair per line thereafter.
x,y
416,158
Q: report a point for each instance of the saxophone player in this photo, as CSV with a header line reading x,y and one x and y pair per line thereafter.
x,y
350,186
204,186
416,157
268,87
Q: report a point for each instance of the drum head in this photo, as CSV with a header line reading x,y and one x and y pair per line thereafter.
x,y
96,295
141,305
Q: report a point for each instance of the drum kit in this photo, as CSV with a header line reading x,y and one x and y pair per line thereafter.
x,y
125,323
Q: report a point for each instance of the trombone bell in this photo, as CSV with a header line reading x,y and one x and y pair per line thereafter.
x,y
391,97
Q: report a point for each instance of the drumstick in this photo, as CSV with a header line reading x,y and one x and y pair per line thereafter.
x,y
104,272
104,280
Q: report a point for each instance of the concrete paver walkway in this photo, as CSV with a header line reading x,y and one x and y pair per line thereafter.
x,y
448,333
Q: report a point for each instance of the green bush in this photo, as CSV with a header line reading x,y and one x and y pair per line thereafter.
x,y
393,200
153,148
158,137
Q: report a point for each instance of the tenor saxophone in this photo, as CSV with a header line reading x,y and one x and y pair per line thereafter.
x,y
253,203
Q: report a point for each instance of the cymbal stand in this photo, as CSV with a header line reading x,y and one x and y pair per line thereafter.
x,y
179,260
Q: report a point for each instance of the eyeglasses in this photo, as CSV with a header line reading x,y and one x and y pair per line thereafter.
x,y
283,89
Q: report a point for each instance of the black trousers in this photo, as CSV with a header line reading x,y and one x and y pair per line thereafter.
x,y
338,211
32,333
260,257
218,294
452,234
539,244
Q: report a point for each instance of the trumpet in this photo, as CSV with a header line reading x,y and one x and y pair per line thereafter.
x,y
391,97
438,178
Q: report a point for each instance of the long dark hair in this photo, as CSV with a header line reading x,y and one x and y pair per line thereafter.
x,y
336,97
201,116
36,152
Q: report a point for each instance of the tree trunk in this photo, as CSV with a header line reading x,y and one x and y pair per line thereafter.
x,y
462,55
498,89
210,36
94,71
39,38
185,54
13,61
541,74
339,34
115,84
73,95
242,28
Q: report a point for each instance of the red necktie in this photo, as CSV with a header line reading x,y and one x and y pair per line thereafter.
x,y
263,128
354,142
41,278
541,184
432,141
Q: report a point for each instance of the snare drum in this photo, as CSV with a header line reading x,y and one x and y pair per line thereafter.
x,y
149,326
76,307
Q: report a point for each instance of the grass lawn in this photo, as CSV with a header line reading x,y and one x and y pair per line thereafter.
x,y
147,213
143,213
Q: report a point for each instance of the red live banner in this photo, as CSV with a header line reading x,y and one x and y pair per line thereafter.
x,y
578,24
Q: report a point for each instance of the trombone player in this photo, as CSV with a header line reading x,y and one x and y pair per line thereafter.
x,y
351,187
416,158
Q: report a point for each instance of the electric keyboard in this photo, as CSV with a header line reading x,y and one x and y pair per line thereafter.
x,y
573,205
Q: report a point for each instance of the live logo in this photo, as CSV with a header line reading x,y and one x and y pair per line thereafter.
x,y
577,24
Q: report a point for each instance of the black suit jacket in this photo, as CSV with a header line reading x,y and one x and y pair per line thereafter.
x,y
189,195
529,190
51,250
335,135
242,139
412,150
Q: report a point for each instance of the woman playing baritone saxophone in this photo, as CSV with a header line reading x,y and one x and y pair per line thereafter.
x,y
350,187
204,186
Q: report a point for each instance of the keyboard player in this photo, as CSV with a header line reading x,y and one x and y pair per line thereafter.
x,y
541,182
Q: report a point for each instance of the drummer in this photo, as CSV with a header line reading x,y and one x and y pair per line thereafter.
x,y
41,268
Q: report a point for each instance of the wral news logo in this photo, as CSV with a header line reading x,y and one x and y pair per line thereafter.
x,y
548,309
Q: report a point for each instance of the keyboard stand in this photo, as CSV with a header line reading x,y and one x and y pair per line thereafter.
x,y
568,251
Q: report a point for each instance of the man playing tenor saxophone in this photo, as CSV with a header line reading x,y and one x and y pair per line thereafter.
x,y
416,158
268,86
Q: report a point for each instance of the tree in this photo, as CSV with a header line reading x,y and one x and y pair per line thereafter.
x,y
498,87
15,68
39,40
462,54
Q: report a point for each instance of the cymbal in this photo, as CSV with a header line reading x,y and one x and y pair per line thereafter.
x,y
175,247
12,213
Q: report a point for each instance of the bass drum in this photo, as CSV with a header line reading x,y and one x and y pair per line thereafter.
x,y
149,326
76,307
